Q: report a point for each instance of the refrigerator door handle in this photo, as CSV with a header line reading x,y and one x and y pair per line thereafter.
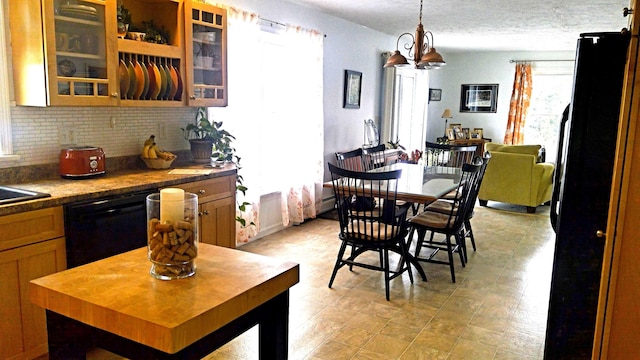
x,y
553,214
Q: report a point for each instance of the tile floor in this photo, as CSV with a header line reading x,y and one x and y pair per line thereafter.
x,y
496,310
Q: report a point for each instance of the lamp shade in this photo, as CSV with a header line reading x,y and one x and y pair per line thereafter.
x,y
447,114
396,59
432,59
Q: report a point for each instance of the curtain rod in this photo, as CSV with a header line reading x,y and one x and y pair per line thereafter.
x,y
272,22
521,61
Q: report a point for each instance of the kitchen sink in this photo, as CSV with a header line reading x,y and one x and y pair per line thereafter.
x,y
10,195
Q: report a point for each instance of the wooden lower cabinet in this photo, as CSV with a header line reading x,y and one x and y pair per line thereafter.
x,y
23,331
216,208
217,222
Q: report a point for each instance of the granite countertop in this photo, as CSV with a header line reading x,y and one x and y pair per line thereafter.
x,y
65,191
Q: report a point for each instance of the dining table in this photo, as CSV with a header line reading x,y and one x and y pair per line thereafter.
x,y
423,184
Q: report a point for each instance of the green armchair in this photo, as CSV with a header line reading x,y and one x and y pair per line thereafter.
x,y
516,175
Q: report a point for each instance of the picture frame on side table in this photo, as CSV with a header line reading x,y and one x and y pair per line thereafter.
x,y
466,133
477,133
479,98
352,89
450,134
435,94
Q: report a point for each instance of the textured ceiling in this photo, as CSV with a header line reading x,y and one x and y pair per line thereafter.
x,y
500,25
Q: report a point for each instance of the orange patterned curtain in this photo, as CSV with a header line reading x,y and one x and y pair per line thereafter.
x,y
520,99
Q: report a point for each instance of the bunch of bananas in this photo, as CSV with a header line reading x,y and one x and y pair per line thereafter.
x,y
150,150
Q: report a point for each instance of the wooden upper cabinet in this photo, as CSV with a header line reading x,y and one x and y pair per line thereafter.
x,y
69,53
63,52
152,71
206,54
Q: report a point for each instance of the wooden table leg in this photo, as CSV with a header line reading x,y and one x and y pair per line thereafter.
x,y
59,330
274,329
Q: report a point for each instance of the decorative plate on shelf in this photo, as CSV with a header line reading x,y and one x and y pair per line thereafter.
x,y
174,81
124,79
140,79
153,83
66,68
163,81
84,11
145,87
133,80
178,95
157,82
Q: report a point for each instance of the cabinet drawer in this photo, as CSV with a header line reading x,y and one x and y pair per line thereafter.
x,y
213,189
31,227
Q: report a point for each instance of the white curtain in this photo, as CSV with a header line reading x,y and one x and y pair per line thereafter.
x,y
296,111
275,113
237,117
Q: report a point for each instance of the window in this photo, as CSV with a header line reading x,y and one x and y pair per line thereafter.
x,y
551,93
411,92
275,111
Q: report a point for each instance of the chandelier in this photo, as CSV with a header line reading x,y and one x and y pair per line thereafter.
x,y
421,49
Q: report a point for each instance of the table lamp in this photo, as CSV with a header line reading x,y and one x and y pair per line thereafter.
x,y
446,115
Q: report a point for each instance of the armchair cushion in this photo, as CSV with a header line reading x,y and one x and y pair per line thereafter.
x,y
515,176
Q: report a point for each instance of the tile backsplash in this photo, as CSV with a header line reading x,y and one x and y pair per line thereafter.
x,y
39,133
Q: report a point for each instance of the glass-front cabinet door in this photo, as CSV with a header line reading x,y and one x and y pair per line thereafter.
x,y
80,37
206,54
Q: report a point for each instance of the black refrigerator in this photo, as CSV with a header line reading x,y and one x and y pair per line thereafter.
x,y
582,187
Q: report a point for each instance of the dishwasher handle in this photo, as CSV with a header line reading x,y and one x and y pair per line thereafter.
x,y
115,211
108,206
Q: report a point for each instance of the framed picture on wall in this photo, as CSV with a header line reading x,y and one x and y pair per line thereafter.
x,y
435,94
352,84
479,98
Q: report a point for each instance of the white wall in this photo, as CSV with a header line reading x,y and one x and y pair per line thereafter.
x,y
478,68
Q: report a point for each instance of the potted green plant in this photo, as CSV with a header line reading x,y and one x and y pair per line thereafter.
x,y
204,136
218,148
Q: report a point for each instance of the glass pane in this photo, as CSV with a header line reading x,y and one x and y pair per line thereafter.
x,y
549,96
207,58
80,45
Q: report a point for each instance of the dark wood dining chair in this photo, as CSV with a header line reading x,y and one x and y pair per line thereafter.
x,y
350,160
381,229
449,224
445,205
448,154
373,157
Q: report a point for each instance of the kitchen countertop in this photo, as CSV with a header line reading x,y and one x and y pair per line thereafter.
x,y
64,191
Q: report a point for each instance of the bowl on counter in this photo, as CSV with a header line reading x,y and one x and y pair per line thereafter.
x,y
157,163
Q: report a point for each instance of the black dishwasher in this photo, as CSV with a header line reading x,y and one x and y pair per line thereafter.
x,y
104,227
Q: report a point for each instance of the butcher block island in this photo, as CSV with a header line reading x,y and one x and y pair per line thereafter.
x,y
115,304
35,241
